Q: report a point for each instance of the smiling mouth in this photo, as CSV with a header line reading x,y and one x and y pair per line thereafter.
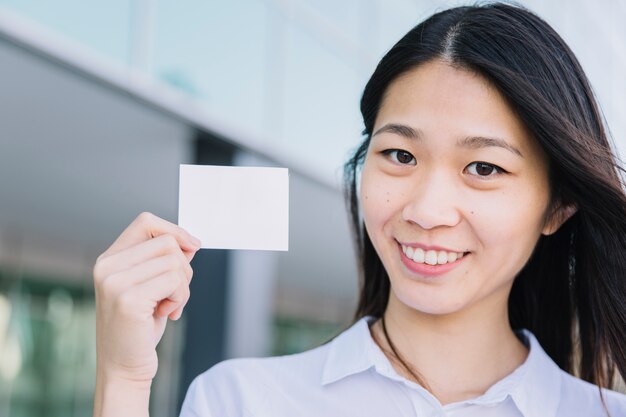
x,y
431,257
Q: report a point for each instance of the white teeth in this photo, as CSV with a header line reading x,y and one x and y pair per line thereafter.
x,y
418,256
442,257
430,257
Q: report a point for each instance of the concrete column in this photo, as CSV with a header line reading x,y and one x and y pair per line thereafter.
x,y
252,275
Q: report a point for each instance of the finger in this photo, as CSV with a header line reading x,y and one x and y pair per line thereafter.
x,y
175,302
168,308
119,284
141,253
147,226
168,286
165,308
172,305
176,314
140,273
177,311
190,254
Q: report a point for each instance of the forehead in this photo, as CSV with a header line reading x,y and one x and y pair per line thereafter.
x,y
443,101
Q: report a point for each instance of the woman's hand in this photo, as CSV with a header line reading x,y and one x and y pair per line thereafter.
x,y
140,281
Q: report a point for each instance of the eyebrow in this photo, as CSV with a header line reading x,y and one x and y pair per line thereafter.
x,y
402,130
472,142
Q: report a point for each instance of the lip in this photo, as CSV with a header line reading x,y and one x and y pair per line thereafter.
x,y
425,269
427,247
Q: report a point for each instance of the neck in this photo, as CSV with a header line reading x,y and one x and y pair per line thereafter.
x,y
477,346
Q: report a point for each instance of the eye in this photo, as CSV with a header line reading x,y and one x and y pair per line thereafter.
x,y
484,169
399,156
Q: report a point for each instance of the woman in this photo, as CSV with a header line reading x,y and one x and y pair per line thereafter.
x,y
491,228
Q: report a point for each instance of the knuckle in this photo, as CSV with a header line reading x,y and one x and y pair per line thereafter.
x,y
109,286
184,297
100,258
188,272
99,268
97,272
181,293
145,217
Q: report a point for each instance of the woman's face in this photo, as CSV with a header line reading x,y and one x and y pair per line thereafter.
x,y
451,173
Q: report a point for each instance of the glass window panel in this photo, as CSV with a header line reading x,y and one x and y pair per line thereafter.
x,y
48,338
344,16
321,112
216,52
103,26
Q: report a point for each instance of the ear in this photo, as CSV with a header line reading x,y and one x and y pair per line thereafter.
x,y
558,217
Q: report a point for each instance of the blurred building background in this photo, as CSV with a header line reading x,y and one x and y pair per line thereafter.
x,y
101,101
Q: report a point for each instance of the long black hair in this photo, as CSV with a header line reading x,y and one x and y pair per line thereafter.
x,y
572,291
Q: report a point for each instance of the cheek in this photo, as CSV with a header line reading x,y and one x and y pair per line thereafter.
x,y
509,222
381,200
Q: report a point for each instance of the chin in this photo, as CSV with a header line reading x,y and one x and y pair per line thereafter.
x,y
429,303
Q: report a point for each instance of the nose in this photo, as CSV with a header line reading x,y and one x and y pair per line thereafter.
x,y
433,201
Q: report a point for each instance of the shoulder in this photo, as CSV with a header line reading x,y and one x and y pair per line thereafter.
x,y
579,397
567,394
243,371
240,386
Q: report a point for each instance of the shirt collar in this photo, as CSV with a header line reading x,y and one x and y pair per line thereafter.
x,y
534,386
349,353
539,391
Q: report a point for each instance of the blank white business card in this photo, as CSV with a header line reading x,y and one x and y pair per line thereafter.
x,y
230,207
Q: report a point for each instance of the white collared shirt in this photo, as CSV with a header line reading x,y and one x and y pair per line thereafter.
x,y
350,376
